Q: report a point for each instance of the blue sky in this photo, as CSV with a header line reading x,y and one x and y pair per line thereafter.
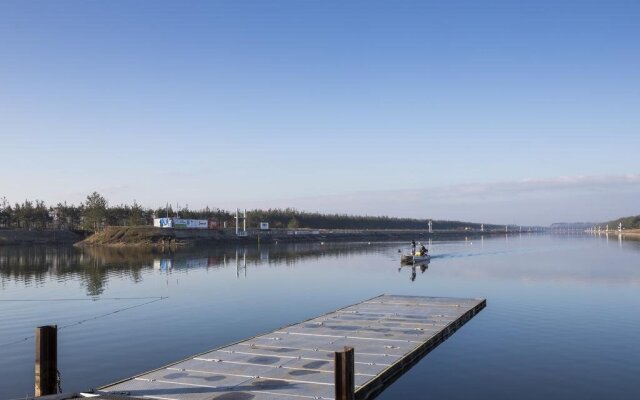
x,y
330,106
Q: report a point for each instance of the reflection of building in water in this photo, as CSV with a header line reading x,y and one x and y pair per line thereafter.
x,y
167,264
264,254
162,264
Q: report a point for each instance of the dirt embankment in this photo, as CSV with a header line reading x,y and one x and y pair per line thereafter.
x,y
135,236
28,237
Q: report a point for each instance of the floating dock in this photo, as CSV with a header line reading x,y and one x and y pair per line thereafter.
x,y
388,333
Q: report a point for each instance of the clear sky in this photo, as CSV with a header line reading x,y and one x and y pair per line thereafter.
x,y
497,111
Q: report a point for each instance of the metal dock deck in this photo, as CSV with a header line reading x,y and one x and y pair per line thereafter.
x,y
389,334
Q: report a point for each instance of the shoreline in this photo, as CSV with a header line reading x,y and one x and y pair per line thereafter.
x,y
153,237
627,232
163,237
40,237
634,233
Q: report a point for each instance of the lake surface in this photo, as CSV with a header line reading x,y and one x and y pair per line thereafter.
x,y
562,317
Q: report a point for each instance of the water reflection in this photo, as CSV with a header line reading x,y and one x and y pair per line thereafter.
x,y
558,303
34,265
414,268
94,266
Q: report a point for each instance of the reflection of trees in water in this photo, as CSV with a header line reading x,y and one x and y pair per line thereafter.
x,y
31,265
291,253
34,265
273,254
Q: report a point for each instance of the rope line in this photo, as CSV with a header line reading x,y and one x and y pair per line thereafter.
x,y
82,321
85,299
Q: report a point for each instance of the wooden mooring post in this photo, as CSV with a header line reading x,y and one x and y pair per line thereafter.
x,y
345,374
46,360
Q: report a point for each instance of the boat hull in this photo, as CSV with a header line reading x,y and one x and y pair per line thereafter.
x,y
409,259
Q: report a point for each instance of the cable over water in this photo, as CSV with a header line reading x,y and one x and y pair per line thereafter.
x,y
89,299
82,321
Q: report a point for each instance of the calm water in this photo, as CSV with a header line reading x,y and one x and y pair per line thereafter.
x,y
562,320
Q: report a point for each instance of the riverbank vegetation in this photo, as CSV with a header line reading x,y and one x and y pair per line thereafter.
x,y
632,222
96,212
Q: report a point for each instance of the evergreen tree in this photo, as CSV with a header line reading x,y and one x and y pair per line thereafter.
x,y
95,211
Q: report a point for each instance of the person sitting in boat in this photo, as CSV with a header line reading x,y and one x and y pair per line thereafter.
x,y
423,251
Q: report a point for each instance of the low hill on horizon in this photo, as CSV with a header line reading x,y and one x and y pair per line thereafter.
x,y
631,222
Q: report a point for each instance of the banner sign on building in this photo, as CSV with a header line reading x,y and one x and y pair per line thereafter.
x,y
180,223
163,222
190,223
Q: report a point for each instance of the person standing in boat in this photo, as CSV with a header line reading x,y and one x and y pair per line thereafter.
x,y
413,247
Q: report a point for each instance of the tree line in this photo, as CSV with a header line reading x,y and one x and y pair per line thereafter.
x,y
95,213
292,218
631,222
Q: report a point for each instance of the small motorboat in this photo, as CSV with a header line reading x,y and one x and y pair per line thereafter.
x,y
411,259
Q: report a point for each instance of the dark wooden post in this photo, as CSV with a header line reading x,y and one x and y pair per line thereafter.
x,y
344,371
46,360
